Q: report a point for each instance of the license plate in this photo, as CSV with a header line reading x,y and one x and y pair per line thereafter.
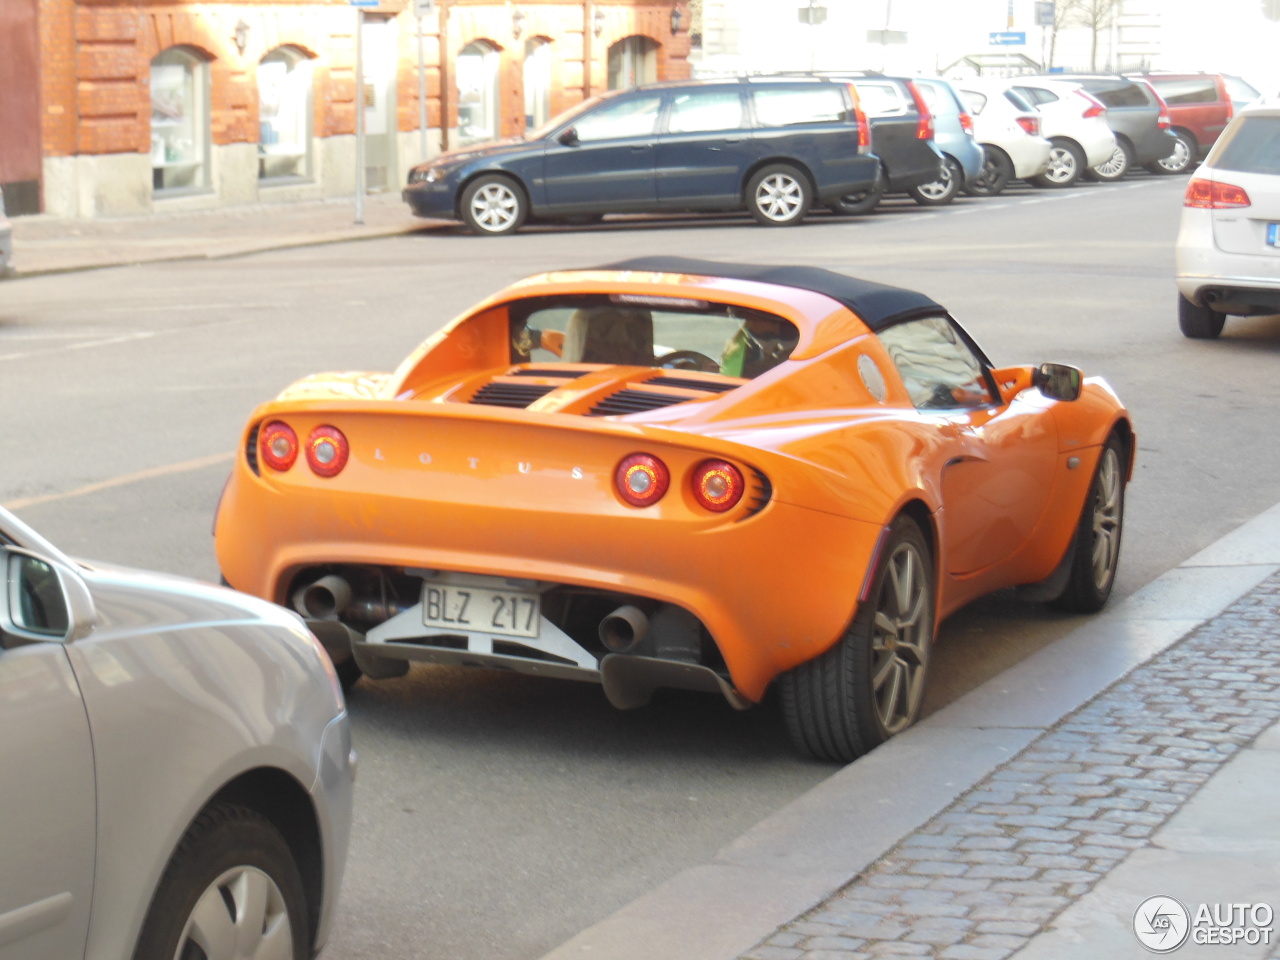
x,y
512,613
1273,234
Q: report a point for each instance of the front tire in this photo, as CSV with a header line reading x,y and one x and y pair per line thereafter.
x,y
1066,165
493,205
1097,540
870,685
1180,160
997,171
231,890
1197,322
1115,166
779,195
943,190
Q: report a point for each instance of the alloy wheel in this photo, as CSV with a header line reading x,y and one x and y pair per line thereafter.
x,y
1115,165
240,916
495,207
779,197
1179,160
939,189
900,641
1062,165
1106,518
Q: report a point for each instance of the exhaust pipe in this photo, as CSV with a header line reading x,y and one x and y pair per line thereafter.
x,y
623,629
323,600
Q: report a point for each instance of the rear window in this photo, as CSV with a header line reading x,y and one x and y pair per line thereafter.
x,y
1037,95
883,99
976,101
791,106
1251,146
649,332
940,100
1129,95
1196,90
1237,89
1019,101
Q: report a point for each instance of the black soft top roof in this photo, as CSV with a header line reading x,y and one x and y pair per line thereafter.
x,y
877,304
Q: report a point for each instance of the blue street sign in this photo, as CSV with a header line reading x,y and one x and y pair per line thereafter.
x,y
1008,39
363,3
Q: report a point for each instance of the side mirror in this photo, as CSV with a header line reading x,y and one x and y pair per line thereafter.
x,y
1058,381
43,600
568,137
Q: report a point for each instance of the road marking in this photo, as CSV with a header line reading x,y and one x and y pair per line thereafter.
x,y
187,466
124,338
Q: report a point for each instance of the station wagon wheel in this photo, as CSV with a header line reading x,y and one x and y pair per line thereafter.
x,y
997,171
1115,166
1184,151
779,195
1097,540
943,190
1066,164
493,205
864,201
1197,322
870,685
231,890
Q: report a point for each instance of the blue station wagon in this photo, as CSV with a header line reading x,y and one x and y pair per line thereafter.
x,y
772,147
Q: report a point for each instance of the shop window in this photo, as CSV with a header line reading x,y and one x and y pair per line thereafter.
x,y
284,114
477,68
537,82
179,121
632,61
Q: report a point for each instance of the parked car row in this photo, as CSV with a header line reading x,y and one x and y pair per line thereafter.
x,y
778,146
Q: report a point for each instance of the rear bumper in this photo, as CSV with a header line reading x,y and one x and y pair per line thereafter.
x,y
1237,283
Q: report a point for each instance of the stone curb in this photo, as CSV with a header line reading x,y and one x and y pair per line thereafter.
x,y
797,858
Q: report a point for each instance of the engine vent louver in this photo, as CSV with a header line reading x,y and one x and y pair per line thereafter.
x,y
688,383
251,450
633,401
532,372
520,395
760,493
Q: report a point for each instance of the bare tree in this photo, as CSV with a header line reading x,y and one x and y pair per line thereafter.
x,y
1064,15
1097,15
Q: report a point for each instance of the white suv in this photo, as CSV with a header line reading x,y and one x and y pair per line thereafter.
x,y
1074,122
1228,252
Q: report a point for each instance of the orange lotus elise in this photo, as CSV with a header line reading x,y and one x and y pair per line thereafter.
x,y
679,473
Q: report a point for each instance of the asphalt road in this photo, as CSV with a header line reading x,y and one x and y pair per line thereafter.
x,y
498,815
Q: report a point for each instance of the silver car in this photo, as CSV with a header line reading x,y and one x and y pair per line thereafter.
x,y
176,767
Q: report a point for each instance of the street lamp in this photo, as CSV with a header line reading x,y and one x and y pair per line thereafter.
x,y
677,18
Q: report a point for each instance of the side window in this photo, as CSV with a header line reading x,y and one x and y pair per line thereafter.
x,y
975,101
789,106
1128,96
882,99
1037,95
1187,91
618,119
705,110
936,365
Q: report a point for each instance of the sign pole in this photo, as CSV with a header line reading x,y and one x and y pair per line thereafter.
x,y
422,92
359,115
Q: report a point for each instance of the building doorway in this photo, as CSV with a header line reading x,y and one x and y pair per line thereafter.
x,y
479,110
633,61
380,56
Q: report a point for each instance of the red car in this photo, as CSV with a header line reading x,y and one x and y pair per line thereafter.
x,y
1200,107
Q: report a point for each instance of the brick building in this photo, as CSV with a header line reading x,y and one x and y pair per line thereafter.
x,y
111,107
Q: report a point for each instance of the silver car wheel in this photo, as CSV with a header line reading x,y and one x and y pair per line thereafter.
x,y
939,188
1106,518
495,207
779,197
1115,165
1179,160
903,628
241,916
1062,165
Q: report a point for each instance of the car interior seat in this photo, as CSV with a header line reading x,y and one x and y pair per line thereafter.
x,y
609,335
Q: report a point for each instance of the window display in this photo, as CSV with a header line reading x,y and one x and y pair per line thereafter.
x,y
179,122
284,115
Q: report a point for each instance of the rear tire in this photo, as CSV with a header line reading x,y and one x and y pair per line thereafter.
x,y
997,171
779,195
1097,540
852,204
1182,157
1115,166
870,685
1197,322
943,190
1066,165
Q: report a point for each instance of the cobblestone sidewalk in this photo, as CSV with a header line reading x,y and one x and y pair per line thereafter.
x,y
994,869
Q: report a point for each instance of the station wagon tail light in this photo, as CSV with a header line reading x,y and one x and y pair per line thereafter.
x,y
278,445
717,485
327,451
924,128
642,479
1095,108
860,115
1211,195
966,123
1030,124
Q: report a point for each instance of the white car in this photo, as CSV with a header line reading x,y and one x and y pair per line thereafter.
x,y
1073,121
1009,130
1228,251
177,767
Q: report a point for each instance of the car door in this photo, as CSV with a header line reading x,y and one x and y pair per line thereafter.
x,y
706,149
605,161
47,795
999,458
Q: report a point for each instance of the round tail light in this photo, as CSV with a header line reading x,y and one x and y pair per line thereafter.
x,y
717,485
327,451
642,479
278,445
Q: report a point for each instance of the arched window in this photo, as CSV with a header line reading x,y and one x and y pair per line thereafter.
x,y
537,82
632,61
179,121
284,114
478,109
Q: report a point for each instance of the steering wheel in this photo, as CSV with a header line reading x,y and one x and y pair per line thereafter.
x,y
688,360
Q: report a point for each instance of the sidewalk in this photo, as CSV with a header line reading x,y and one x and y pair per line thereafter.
x,y
44,244
1137,757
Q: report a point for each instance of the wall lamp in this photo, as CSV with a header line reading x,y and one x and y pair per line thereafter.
x,y
597,22
677,20
517,23
241,36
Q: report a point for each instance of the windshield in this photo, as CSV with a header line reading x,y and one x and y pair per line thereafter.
x,y
676,333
